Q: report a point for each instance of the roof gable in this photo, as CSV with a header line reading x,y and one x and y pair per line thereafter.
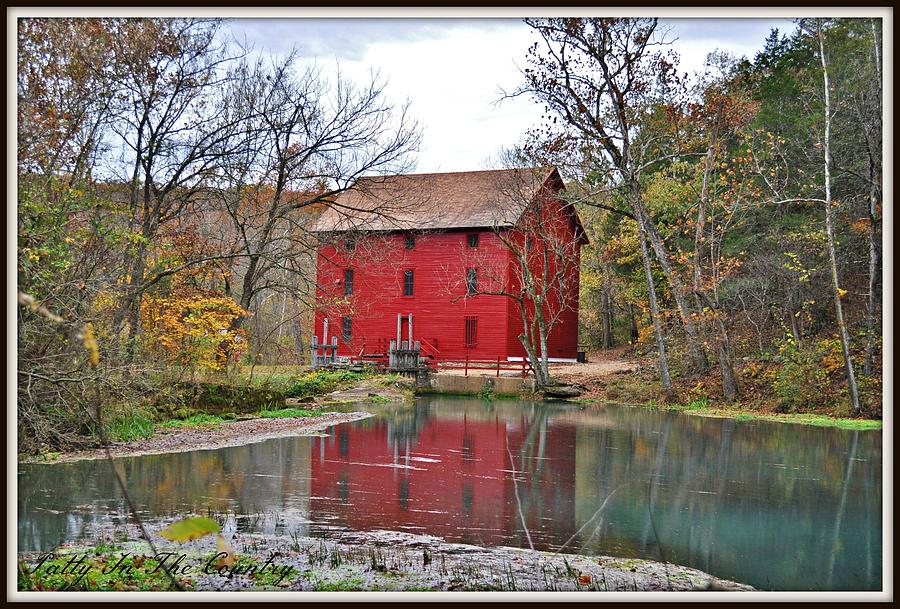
x,y
437,201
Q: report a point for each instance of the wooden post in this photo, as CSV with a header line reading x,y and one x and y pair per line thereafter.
x,y
392,355
410,337
315,350
498,366
399,321
416,350
333,349
466,373
325,332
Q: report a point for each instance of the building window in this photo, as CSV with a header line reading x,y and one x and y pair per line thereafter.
x,y
407,283
348,282
410,242
350,244
471,282
347,329
471,332
473,240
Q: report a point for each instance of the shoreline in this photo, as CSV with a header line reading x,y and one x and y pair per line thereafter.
x,y
225,435
384,560
808,419
626,382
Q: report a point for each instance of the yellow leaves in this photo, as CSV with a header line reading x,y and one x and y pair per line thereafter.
x,y
90,344
841,292
190,529
795,265
194,328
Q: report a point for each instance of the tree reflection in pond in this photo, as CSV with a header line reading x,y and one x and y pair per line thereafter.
x,y
777,506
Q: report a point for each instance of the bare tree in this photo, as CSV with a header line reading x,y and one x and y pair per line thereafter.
x,y
601,77
171,130
62,103
868,111
719,112
308,140
543,243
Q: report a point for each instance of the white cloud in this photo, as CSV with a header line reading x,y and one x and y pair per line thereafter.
x,y
453,70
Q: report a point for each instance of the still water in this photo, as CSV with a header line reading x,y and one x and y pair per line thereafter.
x,y
783,507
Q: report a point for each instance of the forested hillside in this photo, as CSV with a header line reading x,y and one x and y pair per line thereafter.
x,y
166,185
767,241
167,182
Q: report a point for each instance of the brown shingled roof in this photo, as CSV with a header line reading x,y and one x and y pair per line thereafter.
x,y
434,201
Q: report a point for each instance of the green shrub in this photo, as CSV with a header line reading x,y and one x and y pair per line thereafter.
x,y
701,403
196,420
289,413
322,381
802,382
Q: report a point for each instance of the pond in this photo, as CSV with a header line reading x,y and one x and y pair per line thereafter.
x,y
777,506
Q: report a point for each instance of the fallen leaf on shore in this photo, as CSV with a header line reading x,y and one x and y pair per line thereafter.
x,y
222,545
190,528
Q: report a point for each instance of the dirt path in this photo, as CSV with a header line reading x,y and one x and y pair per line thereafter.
x,y
567,372
231,433
574,372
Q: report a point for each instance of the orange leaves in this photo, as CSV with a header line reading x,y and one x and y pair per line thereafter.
x,y
861,226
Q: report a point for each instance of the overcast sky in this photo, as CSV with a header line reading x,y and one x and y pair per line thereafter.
x,y
453,70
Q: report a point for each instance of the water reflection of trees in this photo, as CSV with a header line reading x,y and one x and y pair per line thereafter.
x,y
266,480
769,504
760,503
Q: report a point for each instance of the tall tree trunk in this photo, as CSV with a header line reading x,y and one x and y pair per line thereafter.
x,y
545,355
829,231
611,322
128,316
632,325
664,376
605,338
527,340
872,300
730,388
699,228
699,360
729,380
874,197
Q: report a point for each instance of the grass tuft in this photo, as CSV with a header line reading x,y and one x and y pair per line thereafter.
x,y
289,413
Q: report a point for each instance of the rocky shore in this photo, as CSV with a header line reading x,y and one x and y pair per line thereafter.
x,y
375,561
228,433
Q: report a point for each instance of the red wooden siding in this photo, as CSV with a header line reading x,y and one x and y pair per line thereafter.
x,y
439,304
557,225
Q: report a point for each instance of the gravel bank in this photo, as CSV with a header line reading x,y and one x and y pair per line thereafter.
x,y
229,433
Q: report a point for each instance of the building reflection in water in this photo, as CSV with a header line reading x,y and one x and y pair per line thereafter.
x,y
776,506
